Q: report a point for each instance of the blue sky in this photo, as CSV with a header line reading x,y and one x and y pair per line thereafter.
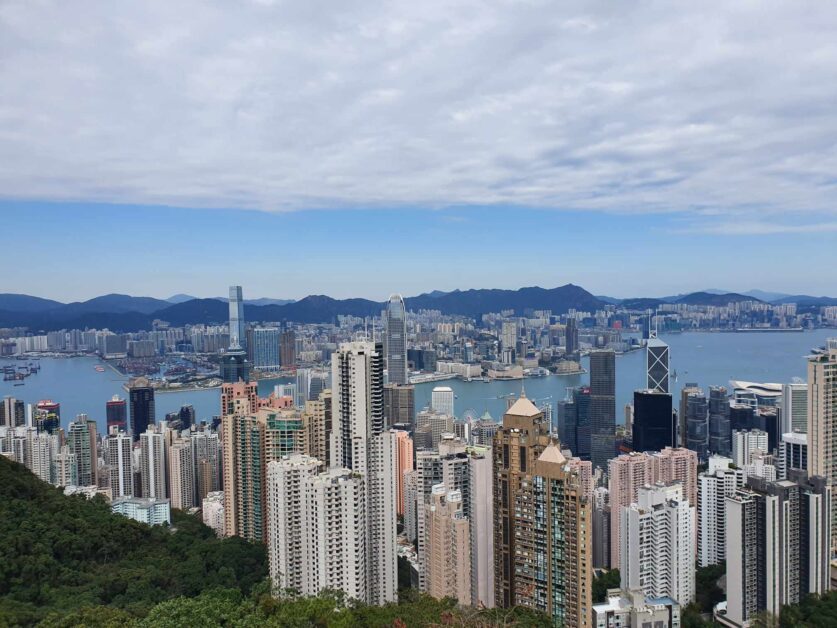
x,y
361,148
72,251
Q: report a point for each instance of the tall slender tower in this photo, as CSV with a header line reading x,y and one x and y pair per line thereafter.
x,y
119,461
602,407
237,337
395,340
822,420
359,443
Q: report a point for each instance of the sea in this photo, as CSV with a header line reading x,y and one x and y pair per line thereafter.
x,y
704,358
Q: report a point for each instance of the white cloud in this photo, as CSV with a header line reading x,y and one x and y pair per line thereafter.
x,y
699,108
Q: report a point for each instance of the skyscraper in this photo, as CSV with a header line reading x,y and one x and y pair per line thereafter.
x,y
714,486
404,465
287,348
395,340
697,423
400,405
360,444
206,457
12,412
141,399
116,412
602,407
657,356
822,420
82,440
153,464
442,400
720,432
654,426
119,462
237,336
777,545
571,336
657,540
448,550
265,349
181,474
794,408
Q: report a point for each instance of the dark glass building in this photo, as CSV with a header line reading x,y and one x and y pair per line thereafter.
x,y
235,367
655,426
141,400
116,413
602,408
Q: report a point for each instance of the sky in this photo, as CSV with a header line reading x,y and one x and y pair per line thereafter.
x,y
360,148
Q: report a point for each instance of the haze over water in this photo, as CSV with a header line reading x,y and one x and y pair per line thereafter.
x,y
705,358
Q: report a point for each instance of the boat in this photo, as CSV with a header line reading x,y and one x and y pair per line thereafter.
x,y
100,369
19,384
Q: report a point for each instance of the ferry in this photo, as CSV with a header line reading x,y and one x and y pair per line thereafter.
x,y
99,369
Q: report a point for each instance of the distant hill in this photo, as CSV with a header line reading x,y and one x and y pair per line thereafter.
x,y
25,303
641,303
117,303
764,295
806,300
266,301
180,298
707,298
474,302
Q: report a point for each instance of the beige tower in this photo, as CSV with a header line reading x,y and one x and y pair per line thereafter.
x,y
448,557
822,420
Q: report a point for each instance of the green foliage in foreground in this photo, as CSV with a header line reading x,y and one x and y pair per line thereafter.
x,y
59,554
608,580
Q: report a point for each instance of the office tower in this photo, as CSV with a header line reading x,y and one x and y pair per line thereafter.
x,y
553,564
212,511
601,528
186,416
720,432
360,444
697,424
481,520
777,545
116,412
571,336
181,474
430,425
404,464
602,407
318,423
47,416
793,453
285,499
564,428
629,472
287,348
441,400
265,349
38,455
12,412
657,538
654,426
82,441
153,464
632,609
119,447
656,361
237,336
794,408
206,457
714,485
234,366
448,551
395,340
745,443
517,444
141,400
399,405
687,390
573,419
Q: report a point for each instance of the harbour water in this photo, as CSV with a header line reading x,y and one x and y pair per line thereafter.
x,y
705,358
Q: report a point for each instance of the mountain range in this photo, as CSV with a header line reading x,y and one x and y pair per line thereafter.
x,y
120,312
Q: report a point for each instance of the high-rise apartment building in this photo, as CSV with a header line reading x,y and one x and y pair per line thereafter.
x,y
777,545
12,412
430,427
481,521
181,474
602,408
119,461
822,420
657,544
395,340
82,441
153,465
404,464
793,454
630,472
717,483
360,443
745,444
141,400
448,549
212,510
287,348
794,408
206,461
317,421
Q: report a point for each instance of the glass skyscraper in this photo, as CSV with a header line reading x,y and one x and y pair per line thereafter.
x,y
395,340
